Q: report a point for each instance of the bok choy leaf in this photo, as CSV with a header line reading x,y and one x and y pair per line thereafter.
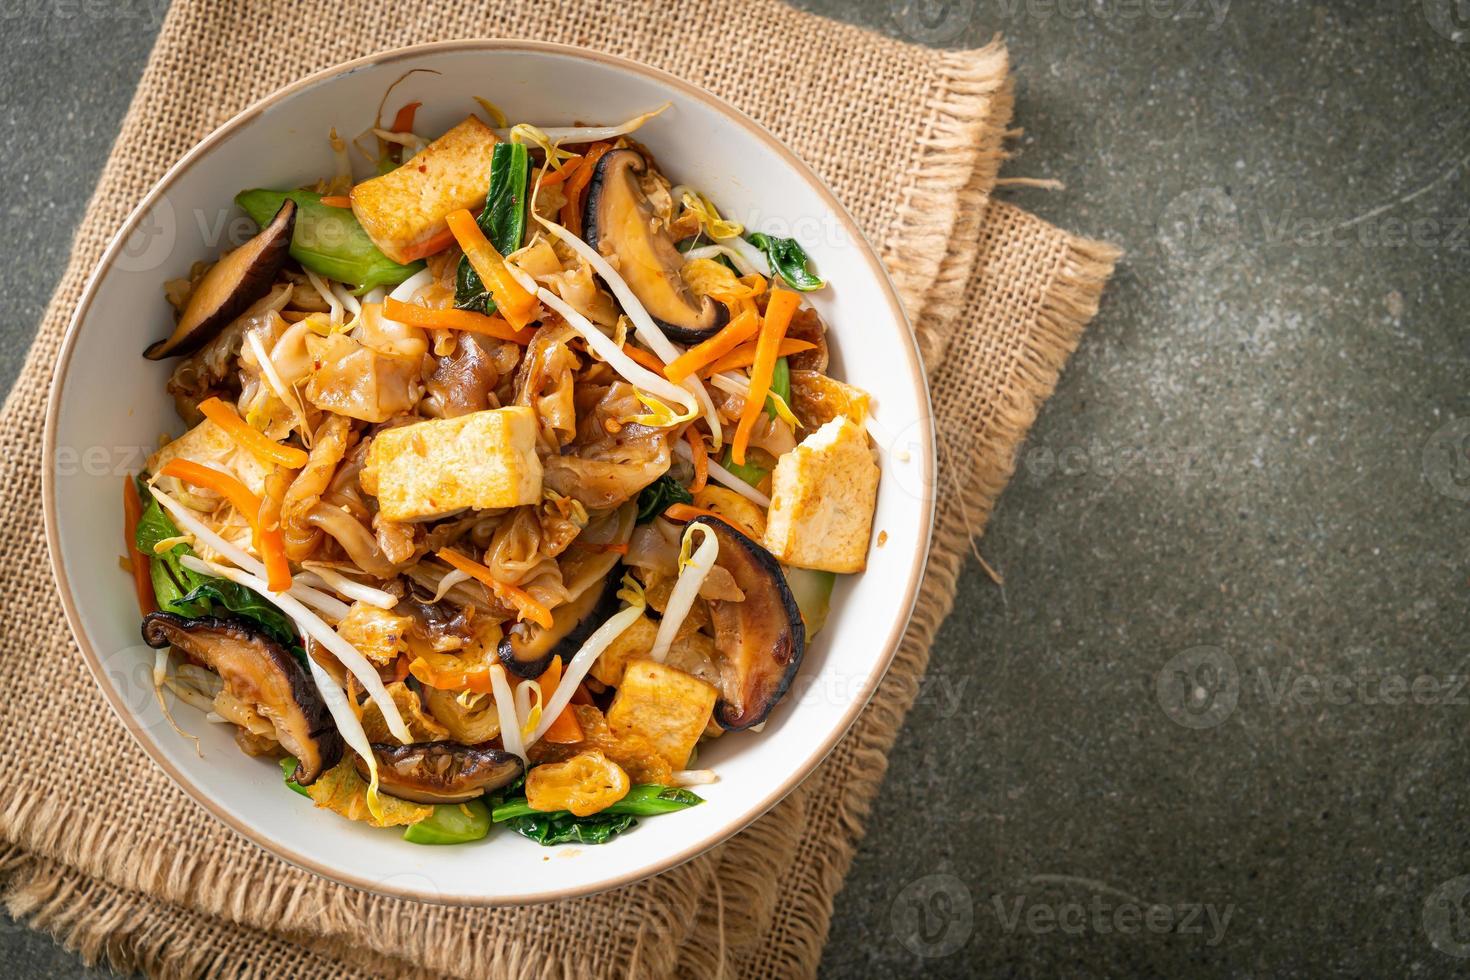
x,y
503,221
788,260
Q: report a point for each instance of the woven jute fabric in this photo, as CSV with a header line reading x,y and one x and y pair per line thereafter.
x,y
109,857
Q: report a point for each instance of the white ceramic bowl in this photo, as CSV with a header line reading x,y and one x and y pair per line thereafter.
x,y
108,408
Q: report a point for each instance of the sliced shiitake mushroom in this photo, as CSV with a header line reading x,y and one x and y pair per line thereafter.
x,y
228,289
527,649
441,772
588,572
760,639
262,673
621,224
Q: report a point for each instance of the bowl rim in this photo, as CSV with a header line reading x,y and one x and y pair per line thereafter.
x,y
304,860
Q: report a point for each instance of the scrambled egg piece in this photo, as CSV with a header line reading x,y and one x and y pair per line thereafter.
x,y
405,208
344,792
664,705
430,469
587,783
377,633
422,726
823,494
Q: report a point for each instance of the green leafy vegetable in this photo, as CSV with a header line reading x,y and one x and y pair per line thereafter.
x,y
658,495
451,823
245,603
561,827
191,594
780,386
503,221
548,829
172,582
788,260
288,767
812,591
750,471
328,240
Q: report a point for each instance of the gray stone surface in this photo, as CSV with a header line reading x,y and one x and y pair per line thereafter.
x,y
1213,721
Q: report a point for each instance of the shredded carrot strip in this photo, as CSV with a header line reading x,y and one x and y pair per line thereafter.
x,y
581,696
744,355
434,244
550,177
337,201
403,121
475,679
270,543
700,456
571,212
688,512
252,440
400,668
782,305
137,561
466,320
273,553
601,549
566,730
734,333
515,304
222,483
644,359
526,607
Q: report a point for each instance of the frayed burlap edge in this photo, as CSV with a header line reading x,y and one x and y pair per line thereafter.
x,y
127,932
961,155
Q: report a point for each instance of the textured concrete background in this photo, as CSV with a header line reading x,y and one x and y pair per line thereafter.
x,y
1213,721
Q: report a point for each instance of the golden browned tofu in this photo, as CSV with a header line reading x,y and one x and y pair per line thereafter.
x,y
823,494
404,209
211,446
430,469
664,705
631,644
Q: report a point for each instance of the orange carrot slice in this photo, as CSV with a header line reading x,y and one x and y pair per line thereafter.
x,y
253,441
466,320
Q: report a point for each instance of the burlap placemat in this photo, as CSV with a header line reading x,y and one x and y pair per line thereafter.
x,y
117,863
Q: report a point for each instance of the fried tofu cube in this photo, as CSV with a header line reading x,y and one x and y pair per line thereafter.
x,y
209,445
405,209
429,469
631,644
823,494
664,705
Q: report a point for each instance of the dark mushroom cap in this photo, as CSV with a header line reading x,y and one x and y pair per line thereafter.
x,y
228,289
262,673
441,772
760,639
526,649
620,222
